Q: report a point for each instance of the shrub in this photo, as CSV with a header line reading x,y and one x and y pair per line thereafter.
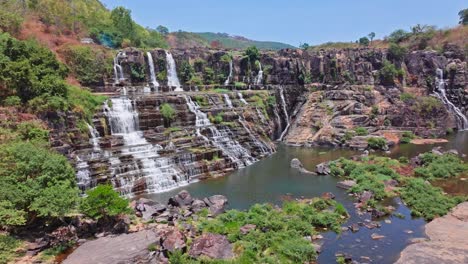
x,y
396,52
103,202
406,97
32,131
168,113
377,143
8,246
361,131
12,101
388,73
406,137
445,166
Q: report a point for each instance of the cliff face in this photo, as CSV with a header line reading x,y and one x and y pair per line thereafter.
x,y
303,98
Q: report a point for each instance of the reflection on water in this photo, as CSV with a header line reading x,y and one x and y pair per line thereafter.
x,y
271,179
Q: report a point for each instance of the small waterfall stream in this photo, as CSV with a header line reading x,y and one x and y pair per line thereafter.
x,y
227,100
259,78
118,71
153,80
285,112
229,79
241,98
159,173
222,139
462,121
172,79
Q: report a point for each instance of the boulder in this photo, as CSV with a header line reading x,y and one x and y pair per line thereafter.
x,y
217,204
365,196
198,205
328,195
247,228
323,168
212,246
182,199
173,240
297,164
348,184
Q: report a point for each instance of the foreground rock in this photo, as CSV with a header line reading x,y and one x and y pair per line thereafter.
x,y
297,164
212,246
447,241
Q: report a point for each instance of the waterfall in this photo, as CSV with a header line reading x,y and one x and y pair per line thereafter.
x,y
285,111
259,78
222,139
83,175
241,98
229,79
159,173
153,80
118,72
94,140
261,145
462,121
227,100
172,79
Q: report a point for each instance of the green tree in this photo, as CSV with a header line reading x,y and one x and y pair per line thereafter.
x,y
463,16
304,46
123,23
103,202
397,52
398,35
186,72
371,36
34,182
168,114
162,30
252,54
364,41
388,73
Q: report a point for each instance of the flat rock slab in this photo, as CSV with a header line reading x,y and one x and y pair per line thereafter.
x,y
125,248
448,241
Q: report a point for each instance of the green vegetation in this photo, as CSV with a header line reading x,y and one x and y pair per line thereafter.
x,y
463,17
388,73
168,114
407,97
361,131
397,52
407,137
364,41
8,246
35,183
440,166
103,202
377,143
425,200
427,105
284,239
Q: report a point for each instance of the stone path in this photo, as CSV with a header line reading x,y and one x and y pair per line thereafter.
x,y
448,241
127,248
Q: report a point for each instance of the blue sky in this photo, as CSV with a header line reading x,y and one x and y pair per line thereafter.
x,y
293,21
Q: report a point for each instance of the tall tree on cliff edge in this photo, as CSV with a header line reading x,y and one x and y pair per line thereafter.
x,y
463,16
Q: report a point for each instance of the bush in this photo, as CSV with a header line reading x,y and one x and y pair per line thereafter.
x,y
406,137
168,114
361,131
9,22
32,131
388,73
445,166
377,143
34,182
103,202
12,101
407,97
8,246
397,52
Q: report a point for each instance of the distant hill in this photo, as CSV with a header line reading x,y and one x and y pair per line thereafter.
x,y
220,40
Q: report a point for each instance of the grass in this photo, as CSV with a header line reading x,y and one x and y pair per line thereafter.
x,y
437,167
361,131
8,246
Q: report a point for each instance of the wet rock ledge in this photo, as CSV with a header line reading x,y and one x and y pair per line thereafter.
x,y
448,241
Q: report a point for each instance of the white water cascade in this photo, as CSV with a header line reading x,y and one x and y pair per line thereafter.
x,y
462,121
118,72
228,100
159,173
153,80
83,174
259,78
172,79
229,79
260,144
285,111
241,98
222,139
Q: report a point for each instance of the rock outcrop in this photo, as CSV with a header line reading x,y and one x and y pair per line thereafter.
x,y
447,240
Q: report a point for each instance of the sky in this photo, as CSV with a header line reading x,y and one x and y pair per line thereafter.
x,y
293,21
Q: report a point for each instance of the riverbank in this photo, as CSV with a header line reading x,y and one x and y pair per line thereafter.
x,y
447,241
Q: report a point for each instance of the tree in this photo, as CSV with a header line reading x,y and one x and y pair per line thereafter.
x,y
168,114
396,52
103,202
186,72
123,23
34,182
398,36
388,73
252,53
463,17
371,36
162,30
364,41
304,46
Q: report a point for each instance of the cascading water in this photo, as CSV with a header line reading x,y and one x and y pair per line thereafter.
x,y
259,78
118,71
159,173
172,79
222,139
153,80
227,100
229,79
241,98
462,121
285,111
260,144
83,174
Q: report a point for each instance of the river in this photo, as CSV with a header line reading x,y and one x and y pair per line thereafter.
x,y
271,180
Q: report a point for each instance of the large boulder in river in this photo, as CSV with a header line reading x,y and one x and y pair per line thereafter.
x,y
323,168
297,164
217,204
348,184
182,199
212,246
